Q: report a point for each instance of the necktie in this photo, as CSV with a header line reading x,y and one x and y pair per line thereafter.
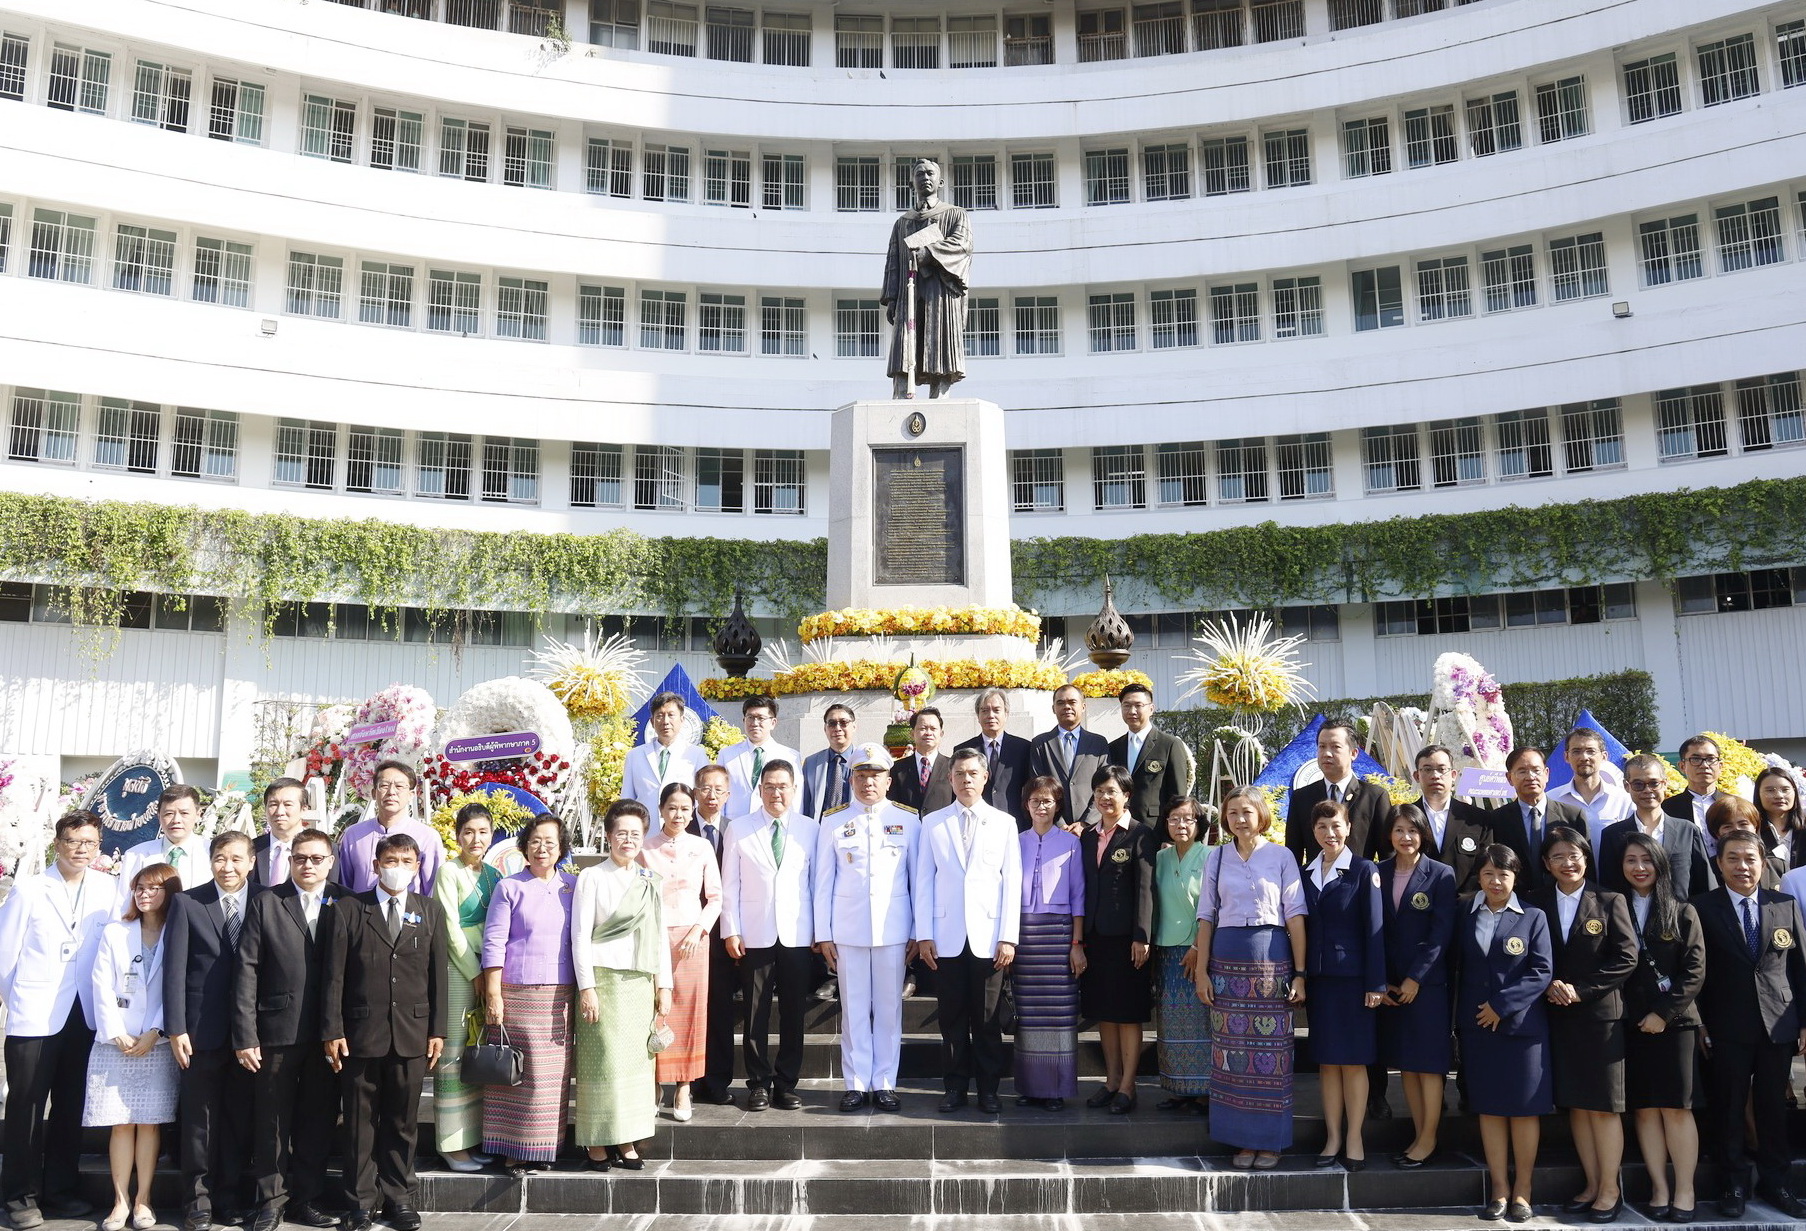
x,y
1134,750
965,828
1749,930
926,766
708,831
174,858
310,911
1335,793
777,842
394,917
758,765
230,904
991,757
278,862
837,780
1072,749
1536,827
664,762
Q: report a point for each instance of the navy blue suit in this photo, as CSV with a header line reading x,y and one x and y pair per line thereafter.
x,y
1344,959
1507,1068
1419,935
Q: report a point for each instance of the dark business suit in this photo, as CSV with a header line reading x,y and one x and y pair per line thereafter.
x,y
1682,806
260,862
818,769
1466,834
1047,757
276,1008
906,783
1367,808
1507,1068
1158,773
1659,1068
1682,842
1009,773
1750,1007
1419,935
718,1068
1596,957
385,997
1345,958
1553,813
199,972
1119,911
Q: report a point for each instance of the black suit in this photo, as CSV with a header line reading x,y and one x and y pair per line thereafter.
x,y
1682,842
1119,893
260,863
281,976
906,784
718,1068
1158,773
1750,1006
199,972
385,997
1682,806
1367,808
1047,757
1553,813
1466,834
1009,773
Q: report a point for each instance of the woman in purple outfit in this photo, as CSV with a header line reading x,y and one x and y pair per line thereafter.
x,y
1051,955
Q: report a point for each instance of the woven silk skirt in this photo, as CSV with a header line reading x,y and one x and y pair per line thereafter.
x,y
457,1108
616,1091
527,1121
1251,1038
1184,1026
689,1016
1047,1009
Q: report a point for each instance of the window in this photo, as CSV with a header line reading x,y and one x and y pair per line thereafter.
x,y
786,38
454,302
160,96
1389,458
856,328
727,178
1216,23
1037,325
1027,40
1173,318
1276,19
1492,124
510,470
665,173
395,139
1768,412
1652,88
1111,321
1757,590
595,476
1527,610
1160,28
1242,471
781,326
62,246
1442,289
1430,136
915,42
1038,480
144,259
1180,472
1749,234
778,481
662,324
671,28
328,126
306,453
527,158
442,466
615,23
858,41
1106,177
1690,423
1225,162
658,477
1366,147
972,42
477,14
236,113
1416,8
721,323
975,181
1379,299
126,435
1457,453
1119,477
1670,250
1032,181
1561,109
1790,50
464,150
984,327
373,460
15,55
1304,467
1288,157
1166,172
314,285
1347,14
1592,436
783,181
1235,313
856,185
386,294
1577,267
205,445
43,426
78,79
1509,278
730,34
1101,36
6,234
608,167
1727,70
520,308
601,316
1297,307
1524,444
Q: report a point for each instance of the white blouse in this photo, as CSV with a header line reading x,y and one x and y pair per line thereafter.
x,y
599,890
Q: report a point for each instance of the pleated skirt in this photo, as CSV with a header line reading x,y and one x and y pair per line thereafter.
x,y
527,1121
685,1059
616,1089
1251,1059
1184,1046
457,1108
1047,1009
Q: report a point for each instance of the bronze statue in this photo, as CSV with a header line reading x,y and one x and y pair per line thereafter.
x,y
925,271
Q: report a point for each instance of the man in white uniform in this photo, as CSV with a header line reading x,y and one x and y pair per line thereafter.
x,y
176,843
746,760
663,759
864,859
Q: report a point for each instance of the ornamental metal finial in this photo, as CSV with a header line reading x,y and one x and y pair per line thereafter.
x,y
737,645
1109,638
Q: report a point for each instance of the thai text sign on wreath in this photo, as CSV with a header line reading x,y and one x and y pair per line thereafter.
x,y
1484,783
493,747
372,732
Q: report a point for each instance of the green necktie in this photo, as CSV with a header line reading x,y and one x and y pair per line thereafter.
x,y
758,766
777,842
664,759
175,857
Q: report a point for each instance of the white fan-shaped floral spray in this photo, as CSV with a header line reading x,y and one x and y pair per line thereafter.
x,y
1245,667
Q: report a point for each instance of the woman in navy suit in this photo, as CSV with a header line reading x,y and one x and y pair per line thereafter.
x,y
1417,897
1505,965
1345,960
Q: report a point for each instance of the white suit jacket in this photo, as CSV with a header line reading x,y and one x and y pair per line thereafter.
x,y
108,984
195,867
864,867
38,986
969,899
642,778
762,903
742,790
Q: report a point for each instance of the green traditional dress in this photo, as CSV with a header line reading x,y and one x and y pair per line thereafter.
x,y
464,896
620,950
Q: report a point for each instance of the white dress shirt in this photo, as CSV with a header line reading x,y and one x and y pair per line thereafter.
x,y
1567,905
194,865
1322,877
1439,821
1488,922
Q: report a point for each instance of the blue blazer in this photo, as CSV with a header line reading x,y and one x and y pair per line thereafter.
x,y
1513,983
1343,936
1421,929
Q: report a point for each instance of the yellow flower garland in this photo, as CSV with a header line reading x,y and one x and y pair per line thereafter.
x,y
865,676
871,622
1109,683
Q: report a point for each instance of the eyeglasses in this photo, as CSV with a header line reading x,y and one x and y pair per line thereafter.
x,y
1699,760
543,843
74,845
1645,784
838,722
309,861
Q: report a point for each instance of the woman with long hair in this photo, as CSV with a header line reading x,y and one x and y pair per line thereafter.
x,y
1778,799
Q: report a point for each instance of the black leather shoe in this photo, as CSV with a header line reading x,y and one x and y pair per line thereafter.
x,y
1101,1098
403,1218
307,1214
1657,1213
1023,1100
1353,1164
618,1158
592,1163
852,1100
1518,1211
197,1220
1608,1215
1782,1200
1054,1104
1122,1104
757,1099
1173,1104
724,1099
1578,1205
1493,1211
1732,1200
358,1220
1323,1161
1404,1162
953,1102
1676,1214
990,1104
886,1100
786,1100
267,1218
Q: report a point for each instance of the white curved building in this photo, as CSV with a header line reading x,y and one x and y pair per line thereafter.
x,y
579,265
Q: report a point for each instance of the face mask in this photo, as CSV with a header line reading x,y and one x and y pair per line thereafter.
x,y
395,878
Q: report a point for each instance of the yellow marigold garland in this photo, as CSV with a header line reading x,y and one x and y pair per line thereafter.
x,y
1109,683
873,621
719,734
880,676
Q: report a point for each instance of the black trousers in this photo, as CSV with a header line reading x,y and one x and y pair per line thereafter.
x,y
1756,1074
382,1120
296,1097
783,969
41,1151
971,1035
214,1126
718,1036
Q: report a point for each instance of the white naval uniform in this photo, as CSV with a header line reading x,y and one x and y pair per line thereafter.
x,y
864,863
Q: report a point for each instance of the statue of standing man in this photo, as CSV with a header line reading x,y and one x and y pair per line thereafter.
x,y
925,277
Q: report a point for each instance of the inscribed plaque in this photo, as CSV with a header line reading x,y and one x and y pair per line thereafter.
x,y
919,517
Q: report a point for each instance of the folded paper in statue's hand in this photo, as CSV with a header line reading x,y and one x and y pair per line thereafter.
x,y
930,234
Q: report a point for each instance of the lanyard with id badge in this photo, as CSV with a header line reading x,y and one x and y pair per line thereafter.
x,y
72,946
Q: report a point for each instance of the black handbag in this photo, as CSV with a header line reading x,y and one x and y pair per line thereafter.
x,y
494,1064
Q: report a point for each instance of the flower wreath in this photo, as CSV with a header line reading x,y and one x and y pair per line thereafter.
x,y
412,710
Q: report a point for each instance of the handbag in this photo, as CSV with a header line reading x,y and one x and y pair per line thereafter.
x,y
494,1064
1006,1004
661,1036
